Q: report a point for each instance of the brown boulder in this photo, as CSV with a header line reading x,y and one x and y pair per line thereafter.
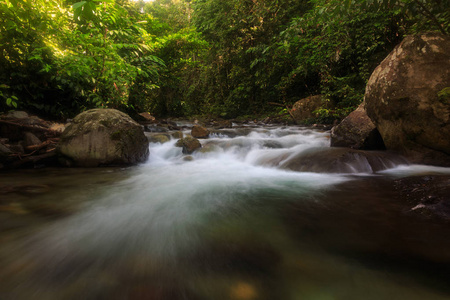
x,y
199,132
304,109
405,99
189,144
357,131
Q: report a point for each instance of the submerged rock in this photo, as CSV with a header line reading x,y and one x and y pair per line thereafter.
x,y
428,196
341,160
406,99
357,131
101,137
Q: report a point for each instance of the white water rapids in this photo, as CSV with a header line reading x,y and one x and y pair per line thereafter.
x,y
225,223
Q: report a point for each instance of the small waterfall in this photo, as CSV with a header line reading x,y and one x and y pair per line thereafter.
x,y
294,149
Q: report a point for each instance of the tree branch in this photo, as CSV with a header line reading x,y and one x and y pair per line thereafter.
x,y
431,16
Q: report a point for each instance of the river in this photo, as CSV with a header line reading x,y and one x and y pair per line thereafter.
x,y
225,223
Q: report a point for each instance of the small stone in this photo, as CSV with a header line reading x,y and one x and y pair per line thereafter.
x,y
30,139
199,132
177,135
146,116
159,138
189,144
188,158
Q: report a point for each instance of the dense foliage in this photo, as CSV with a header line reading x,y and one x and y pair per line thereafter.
x,y
60,59
181,57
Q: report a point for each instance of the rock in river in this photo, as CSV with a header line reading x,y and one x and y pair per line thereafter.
x,y
199,132
357,131
189,144
100,137
408,99
341,160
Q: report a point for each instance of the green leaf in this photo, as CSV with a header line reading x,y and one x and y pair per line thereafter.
x,y
79,4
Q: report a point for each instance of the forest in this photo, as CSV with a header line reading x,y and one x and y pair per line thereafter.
x,y
182,58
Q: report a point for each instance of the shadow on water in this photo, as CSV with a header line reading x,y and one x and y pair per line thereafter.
x,y
223,226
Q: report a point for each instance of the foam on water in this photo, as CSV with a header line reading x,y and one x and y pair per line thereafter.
x,y
415,170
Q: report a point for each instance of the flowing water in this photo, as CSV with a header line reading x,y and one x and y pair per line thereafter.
x,y
225,223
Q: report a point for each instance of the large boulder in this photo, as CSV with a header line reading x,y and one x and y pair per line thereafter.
x,y
100,137
405,98
357,131
304,110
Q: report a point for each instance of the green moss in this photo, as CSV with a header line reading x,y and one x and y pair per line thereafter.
x,y
124,137
444,95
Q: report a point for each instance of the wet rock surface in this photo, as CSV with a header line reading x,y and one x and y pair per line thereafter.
x,y
357,131
341,160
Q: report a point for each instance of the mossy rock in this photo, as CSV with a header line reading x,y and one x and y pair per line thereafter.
x,y
407,99
177,135
189,144
101,137
159,138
